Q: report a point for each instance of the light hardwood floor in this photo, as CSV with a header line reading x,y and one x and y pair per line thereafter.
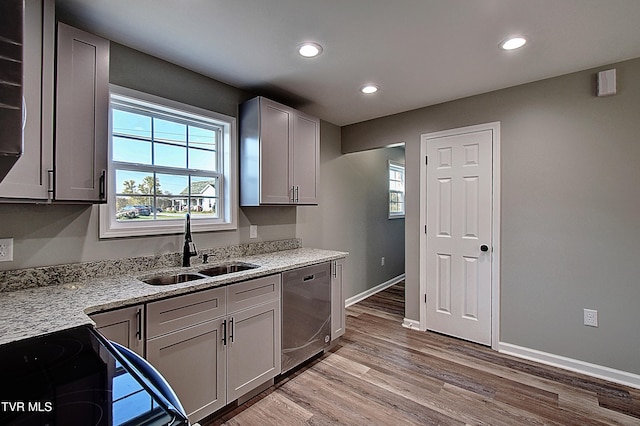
x,y
383,374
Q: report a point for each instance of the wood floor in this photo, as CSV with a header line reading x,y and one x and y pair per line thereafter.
x,y
383,374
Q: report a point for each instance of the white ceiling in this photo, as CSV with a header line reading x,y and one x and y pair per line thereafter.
x,y
420,52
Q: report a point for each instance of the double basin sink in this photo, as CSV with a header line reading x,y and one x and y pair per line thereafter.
x,y
213,271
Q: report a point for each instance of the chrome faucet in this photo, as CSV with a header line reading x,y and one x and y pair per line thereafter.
x,y
189,249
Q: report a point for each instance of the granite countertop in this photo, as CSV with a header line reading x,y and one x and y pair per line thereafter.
x,y
36,311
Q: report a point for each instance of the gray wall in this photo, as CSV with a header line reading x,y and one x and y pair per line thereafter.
x,y
352,214
57,234
570,208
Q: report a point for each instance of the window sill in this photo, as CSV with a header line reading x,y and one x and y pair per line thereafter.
x,y
149,229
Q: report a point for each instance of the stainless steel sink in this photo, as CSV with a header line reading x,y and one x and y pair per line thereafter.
x,y
213,271
173,279
227,268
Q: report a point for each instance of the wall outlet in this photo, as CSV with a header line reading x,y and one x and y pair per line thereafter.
x,y
382,261
591,317
253,231
6,249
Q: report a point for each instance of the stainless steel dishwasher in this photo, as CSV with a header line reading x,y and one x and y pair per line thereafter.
x,y
306,313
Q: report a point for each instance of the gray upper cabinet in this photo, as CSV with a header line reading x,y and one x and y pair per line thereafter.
x,y
28,178
306,158
68,164
279,154
82,110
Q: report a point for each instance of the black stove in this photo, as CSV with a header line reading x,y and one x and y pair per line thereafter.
x,y
77,377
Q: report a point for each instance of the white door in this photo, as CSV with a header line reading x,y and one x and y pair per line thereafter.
x,y
459,174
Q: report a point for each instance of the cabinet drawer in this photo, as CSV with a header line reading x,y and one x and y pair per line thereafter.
x,y
250,293
165,316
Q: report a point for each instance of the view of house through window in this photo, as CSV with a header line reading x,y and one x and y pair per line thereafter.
x,y
396,189
164,163
164,166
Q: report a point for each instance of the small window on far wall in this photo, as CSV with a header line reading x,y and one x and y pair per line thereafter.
x,y
167,159
396,190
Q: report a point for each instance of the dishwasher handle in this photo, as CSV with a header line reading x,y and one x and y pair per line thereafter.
x,y
309,277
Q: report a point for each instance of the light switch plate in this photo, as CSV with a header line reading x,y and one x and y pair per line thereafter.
x,y
607,83
253,231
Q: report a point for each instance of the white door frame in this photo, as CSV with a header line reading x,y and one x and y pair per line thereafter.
x,y
495,258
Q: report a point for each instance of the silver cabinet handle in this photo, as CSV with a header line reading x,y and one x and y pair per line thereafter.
x,y
139,324
103,185
224,332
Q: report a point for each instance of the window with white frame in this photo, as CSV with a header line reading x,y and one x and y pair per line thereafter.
x,y
396,190
167,159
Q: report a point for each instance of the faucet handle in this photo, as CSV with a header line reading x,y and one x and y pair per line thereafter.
x,y
205,258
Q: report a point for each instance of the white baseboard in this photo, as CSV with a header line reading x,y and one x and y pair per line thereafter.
x,y
575,365
412,324
358,297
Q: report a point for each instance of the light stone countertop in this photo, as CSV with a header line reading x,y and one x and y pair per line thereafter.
x,y
36,311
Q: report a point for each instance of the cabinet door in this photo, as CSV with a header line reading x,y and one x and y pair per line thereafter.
x,y
253,352
337,300
306,158
123,326
276,126
28,178
193,362
82,114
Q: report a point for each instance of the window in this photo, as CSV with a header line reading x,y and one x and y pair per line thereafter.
x,y
396,190
167,159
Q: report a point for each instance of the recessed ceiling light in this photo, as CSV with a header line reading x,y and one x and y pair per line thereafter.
x,y
309,50
513,43
369,88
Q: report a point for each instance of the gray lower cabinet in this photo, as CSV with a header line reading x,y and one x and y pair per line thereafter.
x,y
253,352
193,362
185,342
337,299
216,345
124,326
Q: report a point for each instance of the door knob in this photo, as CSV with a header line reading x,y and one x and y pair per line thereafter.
x,y
484,247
